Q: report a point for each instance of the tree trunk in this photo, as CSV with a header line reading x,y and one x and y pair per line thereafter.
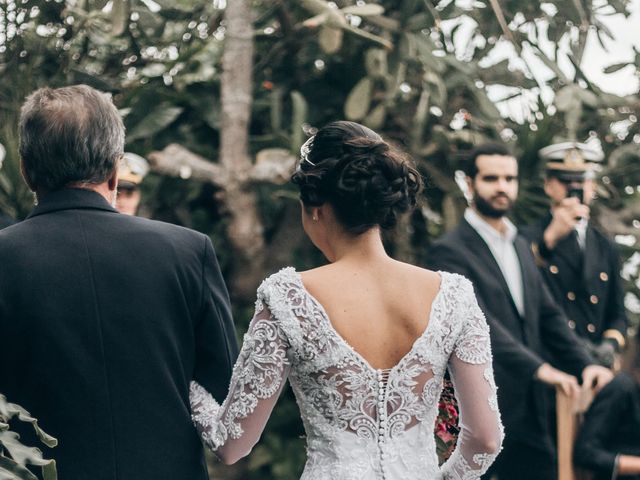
x,y
245,230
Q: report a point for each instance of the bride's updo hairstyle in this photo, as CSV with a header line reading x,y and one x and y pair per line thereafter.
x,y
366,181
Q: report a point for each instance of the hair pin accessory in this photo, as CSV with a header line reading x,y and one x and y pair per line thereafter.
x,y
304,151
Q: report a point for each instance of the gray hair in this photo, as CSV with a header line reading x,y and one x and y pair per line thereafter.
x,y
69,135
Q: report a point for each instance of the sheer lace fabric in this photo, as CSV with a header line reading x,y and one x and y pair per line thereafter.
x,y
361,423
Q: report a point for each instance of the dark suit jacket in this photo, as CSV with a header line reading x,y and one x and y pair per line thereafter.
x,y
5,221
520,344
587,285
105,319
611,427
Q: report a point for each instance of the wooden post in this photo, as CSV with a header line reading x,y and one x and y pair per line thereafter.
x,y
566,425
568,414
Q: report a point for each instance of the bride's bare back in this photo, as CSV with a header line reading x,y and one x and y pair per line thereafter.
x,y
380,308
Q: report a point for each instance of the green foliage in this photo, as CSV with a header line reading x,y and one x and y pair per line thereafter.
x,y
14,456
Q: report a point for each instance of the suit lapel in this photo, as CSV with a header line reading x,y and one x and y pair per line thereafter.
x,y
528,271
476,244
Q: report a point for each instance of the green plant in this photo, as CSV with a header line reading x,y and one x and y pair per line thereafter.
x,y
14,456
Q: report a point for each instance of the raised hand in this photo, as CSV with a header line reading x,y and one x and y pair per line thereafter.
x,y
566,216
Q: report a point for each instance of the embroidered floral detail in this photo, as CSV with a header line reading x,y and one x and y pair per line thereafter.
x,y
361,423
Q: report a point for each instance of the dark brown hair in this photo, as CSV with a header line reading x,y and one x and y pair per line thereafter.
x,y
366,181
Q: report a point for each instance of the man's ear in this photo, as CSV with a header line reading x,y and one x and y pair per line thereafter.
x,y
112,183
469,181
25,177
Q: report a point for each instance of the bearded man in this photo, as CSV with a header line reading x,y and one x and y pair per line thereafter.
x,y
533,348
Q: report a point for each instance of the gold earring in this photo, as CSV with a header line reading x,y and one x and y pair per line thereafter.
x,y
315,218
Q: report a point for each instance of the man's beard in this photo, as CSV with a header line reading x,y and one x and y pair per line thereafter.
x,y
485,208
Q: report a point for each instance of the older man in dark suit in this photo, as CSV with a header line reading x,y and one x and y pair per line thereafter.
x,y
106,318
532,345
5,221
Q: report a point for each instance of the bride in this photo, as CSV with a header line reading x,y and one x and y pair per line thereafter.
x,y
365,340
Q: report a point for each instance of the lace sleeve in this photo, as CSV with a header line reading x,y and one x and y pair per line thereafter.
x,y
481,432
259,375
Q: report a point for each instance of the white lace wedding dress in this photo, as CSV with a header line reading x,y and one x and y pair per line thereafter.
x,y
361,423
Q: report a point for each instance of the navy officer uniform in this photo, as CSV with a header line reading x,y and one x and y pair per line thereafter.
x,y
583,269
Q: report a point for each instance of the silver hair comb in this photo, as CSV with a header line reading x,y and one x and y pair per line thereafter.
x,y
304,151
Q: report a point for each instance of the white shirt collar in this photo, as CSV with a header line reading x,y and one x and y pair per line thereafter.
x,y
482,227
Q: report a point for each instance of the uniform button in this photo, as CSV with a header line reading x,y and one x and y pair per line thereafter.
x,y
571,296
553,269
593,299
603,276
591,327
572,324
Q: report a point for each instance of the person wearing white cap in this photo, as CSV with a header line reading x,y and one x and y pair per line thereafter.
x,y
132,170
578,261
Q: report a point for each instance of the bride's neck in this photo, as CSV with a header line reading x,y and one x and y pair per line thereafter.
x,y
364,247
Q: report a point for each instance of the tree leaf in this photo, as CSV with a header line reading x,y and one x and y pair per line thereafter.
x,y
119,17
425,53
359,100
615,67
154,70
330,39
12,470
299,117
49,471
9,410
375,119
375,61
275,109
316,21
420,118
160,117
366,10
22,454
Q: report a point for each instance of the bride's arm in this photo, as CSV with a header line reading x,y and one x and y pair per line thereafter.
x,y
481,433
259,375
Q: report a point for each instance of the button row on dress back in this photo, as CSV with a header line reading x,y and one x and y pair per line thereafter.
x,y
383,378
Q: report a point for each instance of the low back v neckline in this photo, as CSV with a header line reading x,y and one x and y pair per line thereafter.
x,y
366,363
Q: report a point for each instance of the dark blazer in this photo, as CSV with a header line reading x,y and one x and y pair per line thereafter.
x,y
520,344
5,221
611,427
586,284
105,319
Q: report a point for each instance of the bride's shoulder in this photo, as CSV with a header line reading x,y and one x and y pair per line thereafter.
x,y
457,292
284,279
456,282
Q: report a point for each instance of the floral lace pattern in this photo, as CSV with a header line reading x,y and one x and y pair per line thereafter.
x,y
361,423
